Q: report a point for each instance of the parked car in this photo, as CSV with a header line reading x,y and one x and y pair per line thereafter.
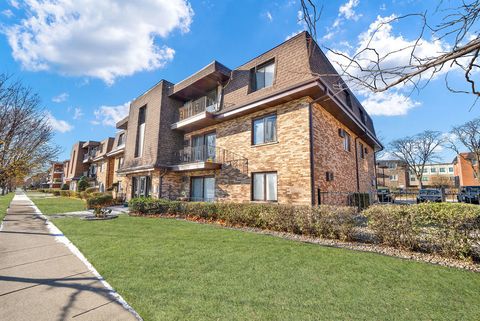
x,y
469,194
385,196
430,195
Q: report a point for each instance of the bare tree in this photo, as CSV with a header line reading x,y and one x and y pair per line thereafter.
x,y
467,136
369,67
25,133
441,181
416,151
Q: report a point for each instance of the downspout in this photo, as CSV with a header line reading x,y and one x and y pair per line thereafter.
x,y
356,163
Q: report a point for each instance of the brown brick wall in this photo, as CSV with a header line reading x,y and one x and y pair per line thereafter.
x,y
289,157
329,155
76,166
160,141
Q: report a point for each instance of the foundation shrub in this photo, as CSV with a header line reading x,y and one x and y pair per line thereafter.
x,y
91,190
99,201
323,221
448,229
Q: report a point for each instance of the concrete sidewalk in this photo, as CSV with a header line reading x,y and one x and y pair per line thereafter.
x,y
41,279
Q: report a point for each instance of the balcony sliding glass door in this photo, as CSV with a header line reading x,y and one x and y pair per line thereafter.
x,y
203,147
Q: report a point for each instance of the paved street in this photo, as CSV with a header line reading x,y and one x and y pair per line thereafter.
x,y
40,278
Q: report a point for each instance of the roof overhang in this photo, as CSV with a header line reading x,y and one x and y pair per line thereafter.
x,y
201,82
90,143
135,169
116,151
122,124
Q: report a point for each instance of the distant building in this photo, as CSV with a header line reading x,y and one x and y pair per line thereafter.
x,y
55,175
392,174
463,166
435,175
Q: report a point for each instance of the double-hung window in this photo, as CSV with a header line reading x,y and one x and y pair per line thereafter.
x,y
264,187
264,75
265,130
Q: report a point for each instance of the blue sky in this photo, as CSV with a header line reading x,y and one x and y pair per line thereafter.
x,y
86,73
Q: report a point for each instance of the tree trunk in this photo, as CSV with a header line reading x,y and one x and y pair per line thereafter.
x,y
420,183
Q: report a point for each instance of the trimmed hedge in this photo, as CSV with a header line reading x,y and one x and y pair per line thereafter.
x,y
99,201
448,229
324,221
91,190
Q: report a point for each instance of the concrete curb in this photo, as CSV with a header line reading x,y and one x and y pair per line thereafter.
x,y
61,238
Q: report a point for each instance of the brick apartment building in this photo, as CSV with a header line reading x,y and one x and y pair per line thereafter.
x,y
394,174
273,129
270,130
115,162
55,175
463,168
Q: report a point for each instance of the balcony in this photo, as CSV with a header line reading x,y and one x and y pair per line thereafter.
x,y
205,157
196,114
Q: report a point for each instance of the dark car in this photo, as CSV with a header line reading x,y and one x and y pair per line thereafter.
x,y
430,195
469,194
385,196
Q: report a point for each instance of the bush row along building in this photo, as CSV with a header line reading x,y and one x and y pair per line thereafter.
x,y
282,127
395,174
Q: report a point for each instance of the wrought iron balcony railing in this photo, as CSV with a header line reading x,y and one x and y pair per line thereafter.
x,y
213,154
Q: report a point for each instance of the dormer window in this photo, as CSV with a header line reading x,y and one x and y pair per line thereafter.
x,y
263,75
121,139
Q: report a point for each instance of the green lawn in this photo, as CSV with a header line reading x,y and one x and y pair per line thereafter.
x,y
4,202
177,270
54,205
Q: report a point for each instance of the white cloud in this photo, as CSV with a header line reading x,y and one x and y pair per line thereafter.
x,y
15,4
60,98
77,114
7,13
293,34
347,10
388,104
269,16
100,39
110,115
394,50
58,125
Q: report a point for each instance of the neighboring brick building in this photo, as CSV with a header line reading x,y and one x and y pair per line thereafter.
x,y
392,174
55,175
270,130
463,168
115,157
76,166
102,166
